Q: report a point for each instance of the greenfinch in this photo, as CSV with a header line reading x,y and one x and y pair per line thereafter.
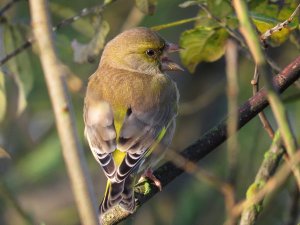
x,y
129,111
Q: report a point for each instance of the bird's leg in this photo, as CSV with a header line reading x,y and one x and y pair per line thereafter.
x,y
149,174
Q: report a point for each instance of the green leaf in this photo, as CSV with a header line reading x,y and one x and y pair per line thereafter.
x,y
87,52
219,8
202,44
219,11
19,66
146,6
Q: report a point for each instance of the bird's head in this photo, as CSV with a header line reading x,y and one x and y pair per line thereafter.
x,y
140,49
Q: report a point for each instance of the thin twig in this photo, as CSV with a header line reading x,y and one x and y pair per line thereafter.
x,y
15,52
71,147
231,56
175,23
224,25
84,12
213,138
232,95
192,168
263,118
279,26
7,6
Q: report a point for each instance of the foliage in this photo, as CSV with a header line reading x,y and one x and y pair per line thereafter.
x,y
217,15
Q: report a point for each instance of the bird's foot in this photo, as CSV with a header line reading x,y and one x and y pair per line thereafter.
x,y
149,174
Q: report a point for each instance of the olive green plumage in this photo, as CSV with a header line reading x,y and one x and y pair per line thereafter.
x,y
130,106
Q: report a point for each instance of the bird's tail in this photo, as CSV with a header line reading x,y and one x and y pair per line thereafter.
x,y
118,193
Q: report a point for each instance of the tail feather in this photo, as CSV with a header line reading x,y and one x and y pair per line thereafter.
x,y
128,201
118,193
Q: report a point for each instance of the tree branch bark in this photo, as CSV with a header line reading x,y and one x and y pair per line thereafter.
x,y
267,169
212,139
71,147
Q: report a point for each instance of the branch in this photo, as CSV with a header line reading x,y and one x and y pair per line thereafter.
x,y
263,118
71,147
7,6
15,52
212,139
278,27
266,170
273,184
84,12
231,56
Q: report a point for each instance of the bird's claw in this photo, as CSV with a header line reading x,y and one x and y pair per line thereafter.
x,y
149,174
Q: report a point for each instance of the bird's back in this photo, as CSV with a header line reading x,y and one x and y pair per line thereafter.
x,y
127,89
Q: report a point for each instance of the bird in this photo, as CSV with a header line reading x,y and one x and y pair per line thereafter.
x,y
130,110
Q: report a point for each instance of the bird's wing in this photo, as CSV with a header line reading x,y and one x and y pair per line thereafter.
x,y
139,134
101,134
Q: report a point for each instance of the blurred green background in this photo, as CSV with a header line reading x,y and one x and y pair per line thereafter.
x,y
34,182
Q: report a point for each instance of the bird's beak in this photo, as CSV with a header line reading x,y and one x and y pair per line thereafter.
x,y
166,63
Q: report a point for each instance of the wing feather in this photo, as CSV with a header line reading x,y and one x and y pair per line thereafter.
x,y
140,131
101,135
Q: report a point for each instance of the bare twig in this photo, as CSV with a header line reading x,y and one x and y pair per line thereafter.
x,y
175,23
224,25
231,56
15,52
232,95
213,138
84,12
71,147
264,120
202,175
7,6
278,27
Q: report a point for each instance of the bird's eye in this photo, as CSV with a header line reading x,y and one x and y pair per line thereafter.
x,y
150,52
